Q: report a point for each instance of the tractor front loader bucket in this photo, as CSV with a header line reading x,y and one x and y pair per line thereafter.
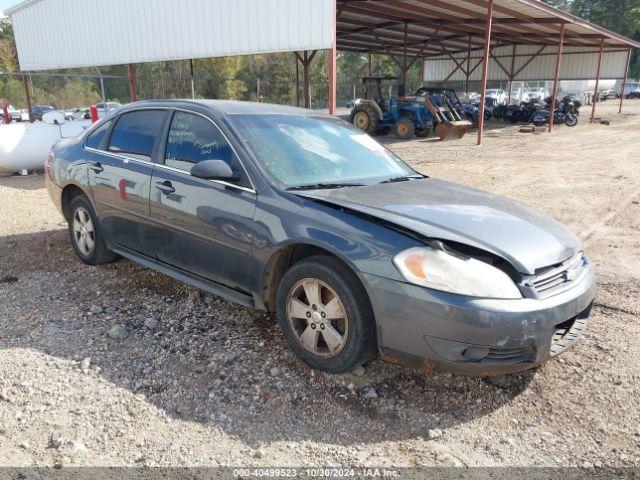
x,y
449,122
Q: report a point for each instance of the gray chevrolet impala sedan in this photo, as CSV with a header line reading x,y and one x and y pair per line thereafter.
x,y
298,213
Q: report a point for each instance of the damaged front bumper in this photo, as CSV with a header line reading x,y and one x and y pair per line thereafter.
x,y
476,336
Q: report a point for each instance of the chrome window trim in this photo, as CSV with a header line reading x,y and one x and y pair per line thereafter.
x,y
127,159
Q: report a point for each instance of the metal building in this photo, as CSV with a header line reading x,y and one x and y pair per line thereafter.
x,y
458,39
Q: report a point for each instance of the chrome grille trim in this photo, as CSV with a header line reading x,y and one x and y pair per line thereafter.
x,y
558,279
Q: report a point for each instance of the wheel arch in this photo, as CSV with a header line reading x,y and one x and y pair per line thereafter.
x,y
287,255
69,192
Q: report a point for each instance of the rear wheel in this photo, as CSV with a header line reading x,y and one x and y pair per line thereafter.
x,y
325,315
404,129
365,118
85,235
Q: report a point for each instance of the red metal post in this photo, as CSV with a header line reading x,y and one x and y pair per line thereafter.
x,y
595,93
485,66
511,75
332,61
131,73
405,65
557,77
93,113
468,72
295,55
4,103
305,74
27,94
624,82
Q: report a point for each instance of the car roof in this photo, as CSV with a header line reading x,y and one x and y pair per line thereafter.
x,y
229,107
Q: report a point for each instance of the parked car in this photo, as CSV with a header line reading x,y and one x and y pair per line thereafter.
x,y
301,214
497,96
632,91
534,95
76,114
37,111
14,115
106,107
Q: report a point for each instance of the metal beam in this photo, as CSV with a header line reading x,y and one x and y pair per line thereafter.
x,y
131,74
595,93
556,77
624,82
485,66
332,63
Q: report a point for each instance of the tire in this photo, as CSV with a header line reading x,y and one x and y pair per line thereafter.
x,y
539,124
365,117
353,315
404,129
570,120
85,235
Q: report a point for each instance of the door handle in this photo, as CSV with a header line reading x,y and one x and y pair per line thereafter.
x,y
97,167
165,187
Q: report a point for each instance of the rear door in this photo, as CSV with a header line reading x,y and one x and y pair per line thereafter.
x,y
207,226
120,175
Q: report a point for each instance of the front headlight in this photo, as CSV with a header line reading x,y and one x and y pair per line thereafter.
x,y
437,269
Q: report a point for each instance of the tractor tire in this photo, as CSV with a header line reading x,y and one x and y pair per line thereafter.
x,y
404,129
424,133
365,118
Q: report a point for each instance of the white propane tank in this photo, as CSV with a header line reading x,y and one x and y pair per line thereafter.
x,y
25,146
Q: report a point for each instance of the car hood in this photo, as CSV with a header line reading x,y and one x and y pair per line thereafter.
x,y
526,238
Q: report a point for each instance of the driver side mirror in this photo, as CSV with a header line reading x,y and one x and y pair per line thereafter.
x,y
214,170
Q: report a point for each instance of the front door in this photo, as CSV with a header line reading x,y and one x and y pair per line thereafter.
x,y
207,226
120,170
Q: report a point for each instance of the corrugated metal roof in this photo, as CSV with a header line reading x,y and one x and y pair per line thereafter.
x,y
52,34
77,33
431,25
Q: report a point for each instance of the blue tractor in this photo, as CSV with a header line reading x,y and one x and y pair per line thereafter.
x,y
406,117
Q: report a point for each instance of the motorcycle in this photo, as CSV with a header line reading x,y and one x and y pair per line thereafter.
x,y
523,113
567,113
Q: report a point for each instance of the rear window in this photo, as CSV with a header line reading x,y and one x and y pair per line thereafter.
x,y
136,132
96,138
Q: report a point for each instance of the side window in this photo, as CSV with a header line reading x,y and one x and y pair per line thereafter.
x,y
96,138
135,133
193,139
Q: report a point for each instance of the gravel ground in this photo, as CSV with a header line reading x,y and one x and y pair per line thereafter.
x,y
119,365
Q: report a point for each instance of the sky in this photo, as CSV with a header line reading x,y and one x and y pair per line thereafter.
x,y
4,4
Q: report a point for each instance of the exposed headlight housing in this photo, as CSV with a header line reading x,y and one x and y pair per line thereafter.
x,y
438,269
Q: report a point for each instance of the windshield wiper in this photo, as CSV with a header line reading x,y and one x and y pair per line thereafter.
x,y
319,186
404,178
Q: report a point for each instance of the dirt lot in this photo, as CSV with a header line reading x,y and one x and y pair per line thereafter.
x,y
191,380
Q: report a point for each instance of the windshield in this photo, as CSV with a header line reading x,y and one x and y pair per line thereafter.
x,y
298,150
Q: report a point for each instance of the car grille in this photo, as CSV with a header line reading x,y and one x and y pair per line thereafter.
x,y
555,279
509,355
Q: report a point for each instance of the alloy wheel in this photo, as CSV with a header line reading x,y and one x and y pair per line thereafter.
x,y
317,317
84,231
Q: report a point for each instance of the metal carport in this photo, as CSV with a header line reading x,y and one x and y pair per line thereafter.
x,y
486,38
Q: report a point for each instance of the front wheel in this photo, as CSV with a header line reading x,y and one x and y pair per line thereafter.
x,y
85,235
325,315
571,120
404,129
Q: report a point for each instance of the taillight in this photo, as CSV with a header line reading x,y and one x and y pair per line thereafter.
x,y
47,165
